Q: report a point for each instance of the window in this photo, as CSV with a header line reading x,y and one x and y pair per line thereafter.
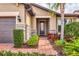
x,y
42,26
66,21
59,25
59,28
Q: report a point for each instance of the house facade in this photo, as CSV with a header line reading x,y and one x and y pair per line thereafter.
x,y
32,18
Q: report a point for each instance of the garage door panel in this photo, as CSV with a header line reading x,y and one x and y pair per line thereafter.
x,y
5,33
6,29
6,37
4,40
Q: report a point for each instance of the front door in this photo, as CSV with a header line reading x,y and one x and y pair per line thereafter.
x,y
42,27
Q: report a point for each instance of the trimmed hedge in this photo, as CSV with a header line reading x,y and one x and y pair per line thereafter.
x,y
18,37
33,41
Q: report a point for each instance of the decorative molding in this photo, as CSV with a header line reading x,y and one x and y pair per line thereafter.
x,y
42,16
9,13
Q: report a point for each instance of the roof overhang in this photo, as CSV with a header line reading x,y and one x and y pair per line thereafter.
x,y
43,8
29,9
69,15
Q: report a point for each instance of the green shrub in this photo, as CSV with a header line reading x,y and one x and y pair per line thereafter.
x,y
71,48
72,29
33,40
18,37
9,53
59,42
74,53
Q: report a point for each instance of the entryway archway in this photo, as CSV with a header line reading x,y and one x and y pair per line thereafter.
x,y
42,26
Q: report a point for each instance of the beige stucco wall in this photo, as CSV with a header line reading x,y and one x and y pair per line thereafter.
x,y
77,19
28,24
40,13
52,24
12,9
34,25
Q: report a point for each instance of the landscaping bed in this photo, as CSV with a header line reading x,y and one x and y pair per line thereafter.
x,y
9,53
69,46
19,38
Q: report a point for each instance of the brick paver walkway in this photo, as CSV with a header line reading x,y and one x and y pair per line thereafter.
x,y
44,46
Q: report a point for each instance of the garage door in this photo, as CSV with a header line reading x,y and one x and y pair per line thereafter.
x,y
6,29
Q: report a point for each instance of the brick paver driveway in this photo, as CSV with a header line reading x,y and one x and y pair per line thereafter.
x,y
44,46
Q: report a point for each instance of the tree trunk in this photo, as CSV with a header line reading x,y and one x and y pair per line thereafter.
x,y
62,20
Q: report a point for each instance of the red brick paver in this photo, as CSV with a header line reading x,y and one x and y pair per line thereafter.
x,y
44,46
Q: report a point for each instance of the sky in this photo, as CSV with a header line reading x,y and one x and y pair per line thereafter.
x,y
69,7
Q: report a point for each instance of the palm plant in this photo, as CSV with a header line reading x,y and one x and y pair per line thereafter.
x,y
56,6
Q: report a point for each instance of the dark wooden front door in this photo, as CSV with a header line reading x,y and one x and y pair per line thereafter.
x,y
42,27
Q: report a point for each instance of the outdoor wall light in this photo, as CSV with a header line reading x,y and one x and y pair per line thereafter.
x,y
19,19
